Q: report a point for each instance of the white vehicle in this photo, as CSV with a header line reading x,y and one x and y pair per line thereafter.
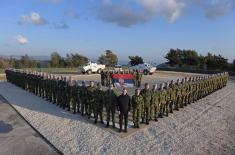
x,y
145,68
92,68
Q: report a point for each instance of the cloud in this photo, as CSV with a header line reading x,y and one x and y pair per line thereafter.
x,y
72,14
171,9
21,39
60,25
34,18
53,1
215,8
122,13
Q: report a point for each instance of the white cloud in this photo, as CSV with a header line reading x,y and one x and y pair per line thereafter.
x,y
34,18
171,9
21,39
122,13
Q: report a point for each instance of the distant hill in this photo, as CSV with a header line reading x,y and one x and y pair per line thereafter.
x,y
39,58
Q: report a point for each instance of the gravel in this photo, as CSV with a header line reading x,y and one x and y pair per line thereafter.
x,y
204,127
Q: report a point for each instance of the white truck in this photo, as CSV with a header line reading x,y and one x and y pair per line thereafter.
x,y
92,68
145,68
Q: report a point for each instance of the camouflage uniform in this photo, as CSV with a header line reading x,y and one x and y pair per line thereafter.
x,y
110,105
91,100
98,107
147,96
83,98
137,104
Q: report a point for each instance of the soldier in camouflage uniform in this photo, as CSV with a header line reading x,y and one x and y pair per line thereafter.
x,y
74,97
155,105
91,98
168,98
98,104
183,93
178,94
162,100
83,98
137,104
110,104
138,78
172,91
102,76
147,96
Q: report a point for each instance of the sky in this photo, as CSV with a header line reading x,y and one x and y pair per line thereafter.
x,y
148,28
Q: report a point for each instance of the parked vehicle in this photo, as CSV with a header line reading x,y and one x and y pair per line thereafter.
x,y
145,68
92,68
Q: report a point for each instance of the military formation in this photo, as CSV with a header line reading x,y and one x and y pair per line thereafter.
x,y
147,104
106,76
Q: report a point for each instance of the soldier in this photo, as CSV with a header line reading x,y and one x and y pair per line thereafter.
x,y
99,101
74,99
83,98
90,98
155,105
124,107
53,89
183,93
172,91
162,100
138,78
137,104
110,104
178,94
168,98
147,96
102,76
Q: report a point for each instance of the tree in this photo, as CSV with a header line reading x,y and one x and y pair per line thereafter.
x,y
55,60
4,63
78,60
190,58
135,60
216,62
174,57
109,59
233,65
27,62
75,60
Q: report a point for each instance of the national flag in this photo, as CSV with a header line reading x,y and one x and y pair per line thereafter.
x,y
124,80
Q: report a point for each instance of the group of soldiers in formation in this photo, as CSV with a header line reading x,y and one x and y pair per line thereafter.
x,y
146,104
106,76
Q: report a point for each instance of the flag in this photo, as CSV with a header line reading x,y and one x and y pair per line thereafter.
x,y
124,80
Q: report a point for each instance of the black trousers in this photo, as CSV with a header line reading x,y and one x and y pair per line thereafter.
x,y
123,115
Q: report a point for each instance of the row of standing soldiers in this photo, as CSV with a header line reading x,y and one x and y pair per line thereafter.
x,y
106,76
147,104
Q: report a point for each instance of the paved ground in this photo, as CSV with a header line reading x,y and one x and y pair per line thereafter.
x,y
17,137
204,127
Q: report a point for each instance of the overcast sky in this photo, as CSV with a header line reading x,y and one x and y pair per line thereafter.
x,y
148,28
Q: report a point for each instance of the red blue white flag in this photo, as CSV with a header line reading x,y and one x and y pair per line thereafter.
x,y
124,80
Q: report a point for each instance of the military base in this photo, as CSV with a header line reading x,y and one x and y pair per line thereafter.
x,y
117,77
113,108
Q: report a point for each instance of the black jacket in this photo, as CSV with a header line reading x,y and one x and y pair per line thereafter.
x,y
124,103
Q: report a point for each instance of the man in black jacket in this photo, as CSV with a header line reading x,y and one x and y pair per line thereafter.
x,y
124,107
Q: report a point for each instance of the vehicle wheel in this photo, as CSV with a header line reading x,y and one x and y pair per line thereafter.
x,y
98,71
146,72
89,72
